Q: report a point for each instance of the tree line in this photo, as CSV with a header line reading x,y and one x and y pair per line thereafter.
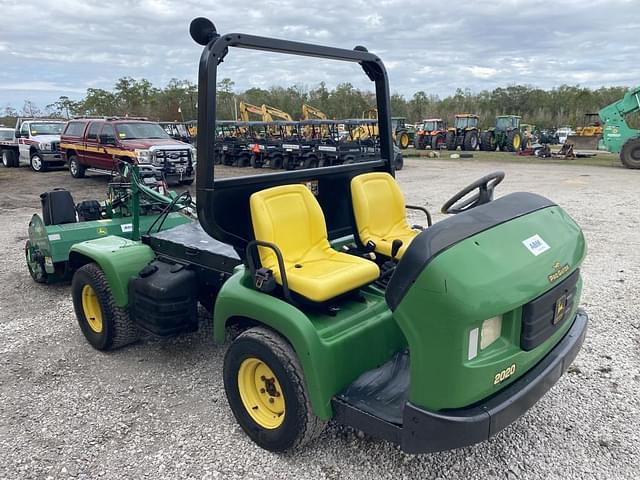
x,y
177,101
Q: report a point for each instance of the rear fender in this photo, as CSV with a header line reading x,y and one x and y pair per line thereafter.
x,y
119,258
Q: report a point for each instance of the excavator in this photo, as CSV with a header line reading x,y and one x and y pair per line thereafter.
x,y
245,109
617,135
589,134
312,113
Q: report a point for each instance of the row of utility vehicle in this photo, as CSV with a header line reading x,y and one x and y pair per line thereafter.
x,y
292,145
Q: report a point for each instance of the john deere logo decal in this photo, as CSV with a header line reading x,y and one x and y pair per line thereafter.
x,y
558,271
102,230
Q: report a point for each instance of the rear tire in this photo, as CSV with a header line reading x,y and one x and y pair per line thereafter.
x,y
243,160
470,140
630,153
37,164
9,159
450,140
437,141
311,162
75,168
279,416
105,325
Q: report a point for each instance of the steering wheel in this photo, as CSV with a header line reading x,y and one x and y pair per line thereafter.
x,y
461,203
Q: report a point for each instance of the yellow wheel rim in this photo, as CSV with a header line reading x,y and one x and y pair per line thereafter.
x,y
516,141
261,393
404,140
91,308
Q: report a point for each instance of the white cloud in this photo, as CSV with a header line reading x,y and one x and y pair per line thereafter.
x,y
484,46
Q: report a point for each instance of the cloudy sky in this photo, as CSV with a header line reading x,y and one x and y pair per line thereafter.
x,y
62,47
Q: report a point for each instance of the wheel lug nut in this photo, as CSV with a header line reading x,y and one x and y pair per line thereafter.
x,y
262,390
271,400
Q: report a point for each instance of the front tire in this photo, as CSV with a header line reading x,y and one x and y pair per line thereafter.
x,y
37,164
450,140
470,141
403,140
75,168
105,325
514,140
630,153
265,387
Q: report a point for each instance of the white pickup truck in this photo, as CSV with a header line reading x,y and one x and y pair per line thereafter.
x,y
34,142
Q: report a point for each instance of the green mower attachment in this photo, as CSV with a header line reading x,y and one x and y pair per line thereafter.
x,y
134,204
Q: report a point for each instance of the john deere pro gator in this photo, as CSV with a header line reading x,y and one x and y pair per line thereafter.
x,y
506,135
432,336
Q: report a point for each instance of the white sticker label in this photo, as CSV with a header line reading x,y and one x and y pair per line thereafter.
x,y
127,227
54,236
290,146
327,149
536,245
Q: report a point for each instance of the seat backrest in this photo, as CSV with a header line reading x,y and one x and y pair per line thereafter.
x,y
290,217
58,207
378,204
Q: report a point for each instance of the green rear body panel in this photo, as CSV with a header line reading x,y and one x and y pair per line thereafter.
x,y
119,258
55,241
489,274
333,350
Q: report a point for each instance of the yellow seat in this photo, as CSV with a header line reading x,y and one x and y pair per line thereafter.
x,y
379,210
290,217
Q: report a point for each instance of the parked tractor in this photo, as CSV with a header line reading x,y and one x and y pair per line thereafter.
x,y
402,134
464,134
432,132
506,135
335,307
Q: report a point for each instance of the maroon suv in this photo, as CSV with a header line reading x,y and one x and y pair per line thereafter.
x,y
100,144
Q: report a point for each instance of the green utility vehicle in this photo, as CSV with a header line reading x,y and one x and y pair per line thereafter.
x,y
506,135
135,202
434,336
617,135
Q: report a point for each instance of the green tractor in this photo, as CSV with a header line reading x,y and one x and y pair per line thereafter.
x,y
402,134
433,337
135,203
506,135
464,133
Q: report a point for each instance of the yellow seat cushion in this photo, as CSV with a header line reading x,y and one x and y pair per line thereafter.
x,y
290,217
379,211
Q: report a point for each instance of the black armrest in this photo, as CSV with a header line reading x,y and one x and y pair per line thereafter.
x,y
422,209
253,262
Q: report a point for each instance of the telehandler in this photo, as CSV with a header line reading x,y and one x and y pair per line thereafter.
x,y
618,136
433,337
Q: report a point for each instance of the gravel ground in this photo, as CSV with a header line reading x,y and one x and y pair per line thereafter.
x,y
157,409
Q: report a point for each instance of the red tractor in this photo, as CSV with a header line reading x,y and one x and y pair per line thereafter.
x,y
431,133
